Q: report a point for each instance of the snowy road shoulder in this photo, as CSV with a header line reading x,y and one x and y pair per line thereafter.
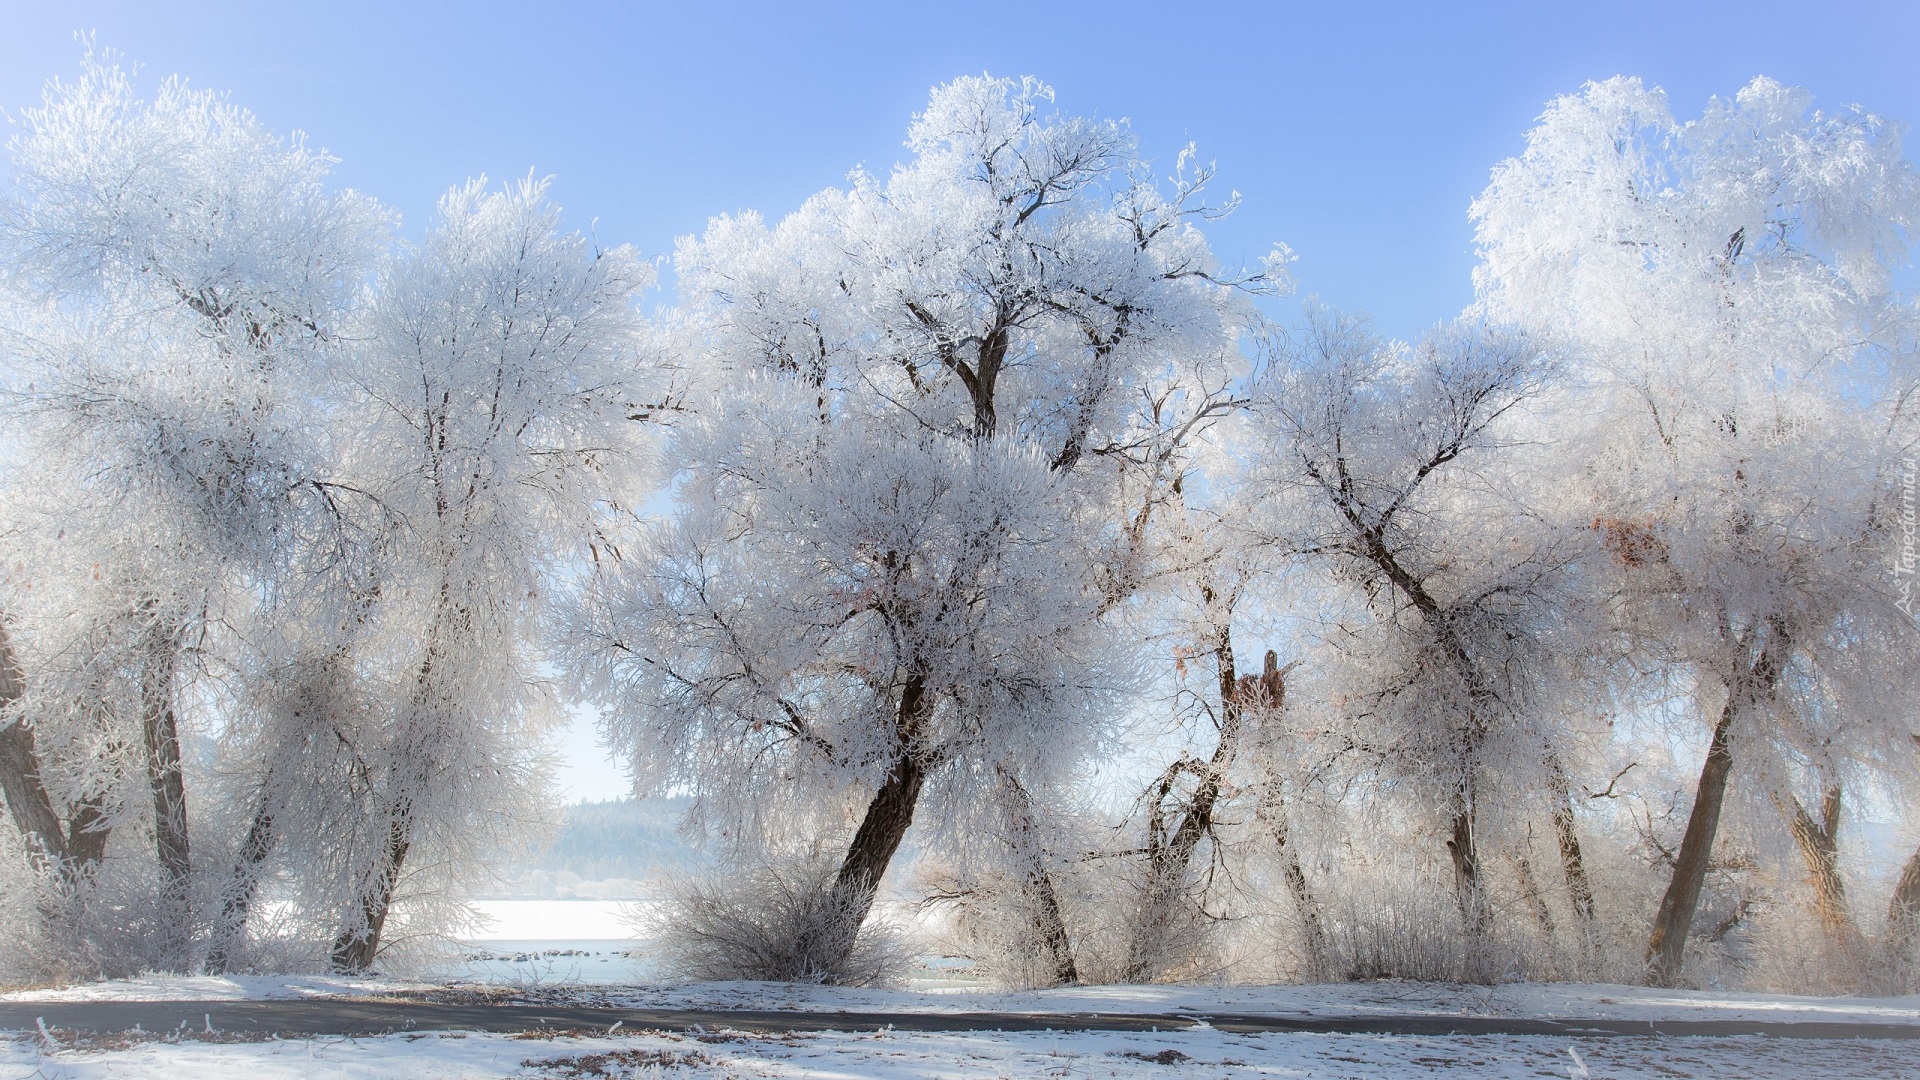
x,y
376,1016
222,988
896,1055
1546,1001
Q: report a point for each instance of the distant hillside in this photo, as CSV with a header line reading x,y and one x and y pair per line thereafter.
x,y
606,850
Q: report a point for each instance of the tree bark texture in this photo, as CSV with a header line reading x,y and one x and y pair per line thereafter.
x,y
1530,892
161,730
1036,884
355,948
1903,920
27,800
1667,946
237,905
1573,863
70,858
888,816
1469,891
1170,852
1819,845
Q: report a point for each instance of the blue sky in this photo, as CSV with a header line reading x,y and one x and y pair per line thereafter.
x,y
1357,133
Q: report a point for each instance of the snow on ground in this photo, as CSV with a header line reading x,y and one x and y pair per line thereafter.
x,y
902,1055
897,1055
222,988
1593,1001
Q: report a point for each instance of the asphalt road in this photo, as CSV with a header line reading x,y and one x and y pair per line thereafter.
x,y
375,1017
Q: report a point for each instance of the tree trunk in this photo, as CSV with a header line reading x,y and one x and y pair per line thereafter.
x,y
1530,892
160,726
356,947
1667,947
1819,844
70,858
1273,811
27,799
889,814
1049,923
237,904
1903,921
1573,863
357,944
1469,891
87,829
1170,857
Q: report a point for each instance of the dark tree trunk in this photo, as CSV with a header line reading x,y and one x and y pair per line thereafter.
x,y
237,904
87,829
889,815
1170,856
890,812
70,857
1036,885
1666,950
1573,864
1903,920
20,773
1469,891
355,948
1819,844
160,727
27,800
1746,689
357,944
1272,810
1530,891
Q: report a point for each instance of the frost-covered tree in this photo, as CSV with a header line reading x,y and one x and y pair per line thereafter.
x,y
923,405
295,494
174,276
493,393
1725,285
1396,467
1188,805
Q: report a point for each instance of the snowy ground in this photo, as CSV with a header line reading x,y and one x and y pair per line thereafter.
x,y
890,1055
525,958
896,1056
1593,1001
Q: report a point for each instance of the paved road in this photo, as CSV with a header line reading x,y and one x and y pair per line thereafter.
x,y
364,1017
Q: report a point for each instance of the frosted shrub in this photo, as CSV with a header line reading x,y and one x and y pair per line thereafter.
x,y
780,921
991,913
1397,926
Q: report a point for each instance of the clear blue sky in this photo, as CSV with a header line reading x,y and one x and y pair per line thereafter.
x,y
1356,133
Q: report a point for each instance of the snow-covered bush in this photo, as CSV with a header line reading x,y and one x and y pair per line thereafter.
x,y
778,920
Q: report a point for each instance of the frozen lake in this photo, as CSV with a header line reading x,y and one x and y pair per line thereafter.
x,y
546,962
597,942
560,920
539,942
